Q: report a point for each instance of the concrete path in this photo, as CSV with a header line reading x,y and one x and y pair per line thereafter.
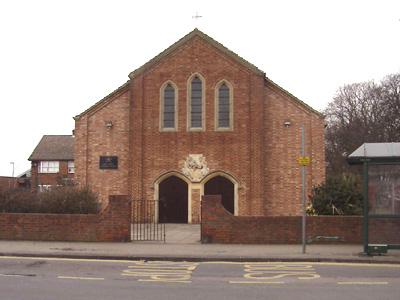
x,y
182,233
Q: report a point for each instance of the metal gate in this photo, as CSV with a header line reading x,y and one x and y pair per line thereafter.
x,y
146,225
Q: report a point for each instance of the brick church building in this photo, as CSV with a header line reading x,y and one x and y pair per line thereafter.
x,y
199,120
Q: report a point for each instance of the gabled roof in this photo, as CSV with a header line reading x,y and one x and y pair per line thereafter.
x,y
195,33
185,39
268,82
103,102
54,147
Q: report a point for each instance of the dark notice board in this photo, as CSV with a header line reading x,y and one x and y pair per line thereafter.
x,y
108,162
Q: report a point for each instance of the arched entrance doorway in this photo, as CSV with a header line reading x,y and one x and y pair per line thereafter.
x,y
220,185
174,191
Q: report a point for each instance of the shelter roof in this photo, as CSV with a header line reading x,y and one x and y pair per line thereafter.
x,y
376,151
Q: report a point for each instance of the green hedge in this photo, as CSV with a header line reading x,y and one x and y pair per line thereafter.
x,y
58,200
340,195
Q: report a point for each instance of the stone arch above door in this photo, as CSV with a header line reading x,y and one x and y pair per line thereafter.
x,y
223,177
175,205
156,187
196,190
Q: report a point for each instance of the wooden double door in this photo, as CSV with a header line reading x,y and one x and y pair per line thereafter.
x,y
173,196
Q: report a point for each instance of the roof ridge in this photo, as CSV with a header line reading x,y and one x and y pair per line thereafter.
x,y
54,147
77,117
294,97
186,38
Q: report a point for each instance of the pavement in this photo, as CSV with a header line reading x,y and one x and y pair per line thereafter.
x,y
183,244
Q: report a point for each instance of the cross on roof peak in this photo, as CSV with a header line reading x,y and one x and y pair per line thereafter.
x,y
197,16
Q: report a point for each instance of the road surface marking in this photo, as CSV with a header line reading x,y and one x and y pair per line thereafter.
x,y
360,264
367,283
79,278
258,282
279,270
161,271
156,280
17,275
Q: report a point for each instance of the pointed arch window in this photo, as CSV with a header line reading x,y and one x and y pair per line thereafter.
x,y
168,107
224,106
196,103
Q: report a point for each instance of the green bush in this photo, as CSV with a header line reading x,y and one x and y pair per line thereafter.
x,y
18,201
337,196
58,200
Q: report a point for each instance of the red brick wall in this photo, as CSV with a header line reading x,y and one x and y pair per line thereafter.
x,y
219,226
282,147
260,152
49,178
93,139
111,225
8,182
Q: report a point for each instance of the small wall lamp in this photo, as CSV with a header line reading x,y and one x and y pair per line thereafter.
x,y
287,123
109,124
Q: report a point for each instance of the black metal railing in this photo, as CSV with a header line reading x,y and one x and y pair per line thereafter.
x,y
147,224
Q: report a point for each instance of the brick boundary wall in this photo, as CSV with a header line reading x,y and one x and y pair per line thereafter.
x,y
219,226
112,224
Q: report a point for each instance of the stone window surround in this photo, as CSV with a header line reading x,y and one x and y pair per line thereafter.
x,y
203,101
161,117
216,107
216,101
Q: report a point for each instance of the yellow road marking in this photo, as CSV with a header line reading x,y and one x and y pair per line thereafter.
x,y
12,275
307,263
372,283
67,259
267,271
161,271
208,262
79,278
174,281
257,282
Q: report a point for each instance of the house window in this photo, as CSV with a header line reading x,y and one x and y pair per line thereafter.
x,y
223,106
71,167
48,167
196,103
44,187
168,107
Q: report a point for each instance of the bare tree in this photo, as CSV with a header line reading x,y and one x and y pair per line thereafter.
x,y
367,112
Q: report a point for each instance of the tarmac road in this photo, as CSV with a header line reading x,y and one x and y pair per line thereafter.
x,y
45,278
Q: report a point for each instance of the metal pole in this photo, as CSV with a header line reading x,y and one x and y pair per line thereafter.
x,y
303,190
365,208
13,168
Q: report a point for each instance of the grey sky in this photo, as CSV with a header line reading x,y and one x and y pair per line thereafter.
x,y
57,58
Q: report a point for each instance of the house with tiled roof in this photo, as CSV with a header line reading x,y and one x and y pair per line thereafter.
x,y
197,120
52,161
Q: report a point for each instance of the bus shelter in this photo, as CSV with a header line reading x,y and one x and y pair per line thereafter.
x,y
381,193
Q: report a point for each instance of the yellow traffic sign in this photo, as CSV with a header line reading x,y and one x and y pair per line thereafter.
x,y
303,160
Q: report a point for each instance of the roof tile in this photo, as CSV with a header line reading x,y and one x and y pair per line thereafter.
x,y
54,147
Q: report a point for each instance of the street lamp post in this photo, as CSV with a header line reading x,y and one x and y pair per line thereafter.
x,y
13,168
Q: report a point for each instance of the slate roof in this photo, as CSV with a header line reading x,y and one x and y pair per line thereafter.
x,y
54,147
